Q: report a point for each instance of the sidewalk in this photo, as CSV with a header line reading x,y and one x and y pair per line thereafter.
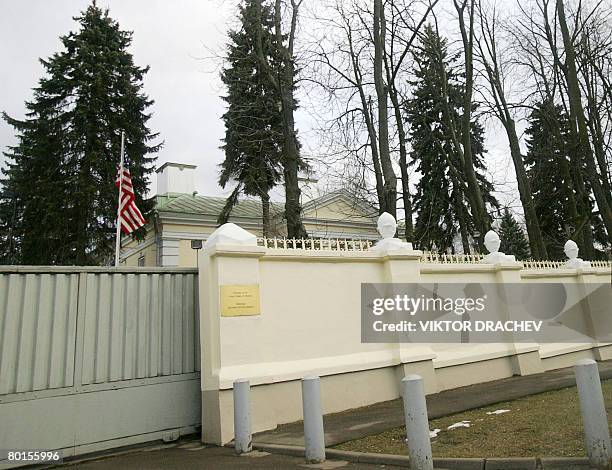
x,y
374,419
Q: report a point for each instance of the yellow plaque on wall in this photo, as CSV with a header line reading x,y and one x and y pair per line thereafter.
x,y
240,300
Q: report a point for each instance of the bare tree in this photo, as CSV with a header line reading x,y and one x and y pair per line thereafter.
x,y
594,58
361,68
579,127
536,38
382,94
494,63
404,29
462,137
341,66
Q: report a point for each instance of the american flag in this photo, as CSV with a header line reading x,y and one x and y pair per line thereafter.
x,y
129,215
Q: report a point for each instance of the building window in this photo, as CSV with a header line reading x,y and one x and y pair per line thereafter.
x,y
141,260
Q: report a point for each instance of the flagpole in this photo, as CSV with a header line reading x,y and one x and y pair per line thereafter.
x,y
118,241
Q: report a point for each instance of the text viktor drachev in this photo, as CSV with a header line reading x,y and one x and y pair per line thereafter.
x,y
445,326
484,313
459,306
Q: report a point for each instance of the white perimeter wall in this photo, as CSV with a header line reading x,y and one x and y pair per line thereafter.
x,y
310,323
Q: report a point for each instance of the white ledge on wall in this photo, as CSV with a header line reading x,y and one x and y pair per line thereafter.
x,y
273,372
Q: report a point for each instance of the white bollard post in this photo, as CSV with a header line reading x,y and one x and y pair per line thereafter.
x,y
242,417
314,437
417,424
594,419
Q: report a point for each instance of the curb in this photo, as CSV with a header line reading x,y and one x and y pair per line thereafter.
x,y
565,463
520,463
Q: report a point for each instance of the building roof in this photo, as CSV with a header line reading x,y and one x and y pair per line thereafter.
x,y
210,205
339,208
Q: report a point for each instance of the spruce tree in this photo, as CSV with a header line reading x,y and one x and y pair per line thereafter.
x,y
441,202
513,241
553,174
548,164
253,122
58,190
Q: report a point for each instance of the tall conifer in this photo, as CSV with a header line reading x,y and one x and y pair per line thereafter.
x,y
513,241
253,121
59,202
548,167
554,180
441,202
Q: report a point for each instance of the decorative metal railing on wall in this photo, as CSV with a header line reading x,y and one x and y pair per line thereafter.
x,y
318,244
547,264
349,244
531,264
448,258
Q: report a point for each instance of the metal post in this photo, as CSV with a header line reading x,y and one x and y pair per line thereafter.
x,y
242,417
417,425
596,434
118,228
314,437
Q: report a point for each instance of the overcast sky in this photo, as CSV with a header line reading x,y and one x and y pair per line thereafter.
x,y
176,39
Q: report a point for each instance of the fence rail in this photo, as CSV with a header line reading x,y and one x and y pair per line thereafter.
x,y
349,244
316,244
448,258
545,264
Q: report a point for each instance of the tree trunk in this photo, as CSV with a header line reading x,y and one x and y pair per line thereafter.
x,y
582,136
403,161
583,228
265,214
390,179
461,215
291,154
380,183
491,61
572,207
366,107
569,191
284,83
479,211
594,124
536,241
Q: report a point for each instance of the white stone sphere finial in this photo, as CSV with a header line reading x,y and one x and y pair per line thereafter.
x,y
387,226
571,251
492,241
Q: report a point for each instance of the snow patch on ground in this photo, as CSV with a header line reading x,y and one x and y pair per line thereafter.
x,y
433,434
497,412
460,424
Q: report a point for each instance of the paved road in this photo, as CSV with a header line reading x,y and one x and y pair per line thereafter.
x,y
192,455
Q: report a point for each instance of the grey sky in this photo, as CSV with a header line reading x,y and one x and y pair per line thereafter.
x,y
176,39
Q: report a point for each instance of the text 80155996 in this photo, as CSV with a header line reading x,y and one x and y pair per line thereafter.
x,y
32,456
